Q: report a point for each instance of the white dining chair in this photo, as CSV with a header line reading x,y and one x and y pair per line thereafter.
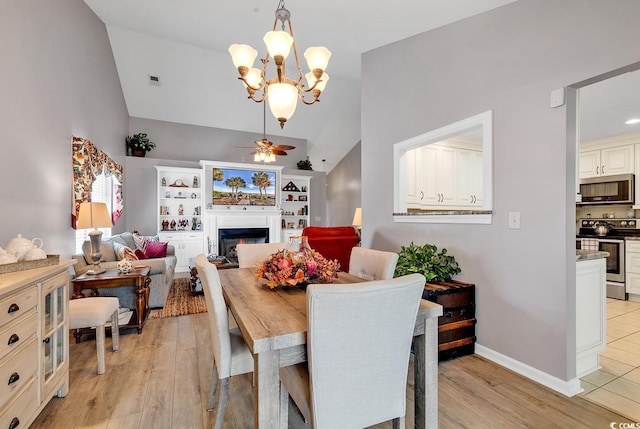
x,y
231,354
251,254
370,264
358,346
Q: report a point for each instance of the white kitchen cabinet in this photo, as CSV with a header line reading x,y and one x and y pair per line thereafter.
x,y
442,175
632,266
607,162
591,320
187,245
34,341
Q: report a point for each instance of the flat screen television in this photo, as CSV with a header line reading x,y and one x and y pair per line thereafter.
x,y
238,187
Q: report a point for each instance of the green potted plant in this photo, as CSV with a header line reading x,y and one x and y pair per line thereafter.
x,y
426,260
139,144
304,164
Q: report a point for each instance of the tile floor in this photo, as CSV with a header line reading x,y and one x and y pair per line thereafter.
x,y
617,384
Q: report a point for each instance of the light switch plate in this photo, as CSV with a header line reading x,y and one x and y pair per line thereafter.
x,y
514,220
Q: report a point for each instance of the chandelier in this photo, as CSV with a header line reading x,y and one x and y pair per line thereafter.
x,y
280,91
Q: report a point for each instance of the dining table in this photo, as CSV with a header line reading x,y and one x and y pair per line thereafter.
x,y
273,323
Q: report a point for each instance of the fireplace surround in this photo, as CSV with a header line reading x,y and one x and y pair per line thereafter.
x,y
228,238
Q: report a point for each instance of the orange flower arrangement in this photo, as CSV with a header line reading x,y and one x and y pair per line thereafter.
x,y
285,268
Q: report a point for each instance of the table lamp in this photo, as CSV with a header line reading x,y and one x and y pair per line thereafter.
x,y
357,221
94,215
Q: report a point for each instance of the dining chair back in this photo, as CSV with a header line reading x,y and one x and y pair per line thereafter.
x,y
251,254
358,347
370,264
231,354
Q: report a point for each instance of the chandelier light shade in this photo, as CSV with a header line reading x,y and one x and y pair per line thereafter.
x,y
281,92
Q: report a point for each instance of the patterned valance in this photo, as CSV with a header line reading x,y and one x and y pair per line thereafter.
x,y
89,162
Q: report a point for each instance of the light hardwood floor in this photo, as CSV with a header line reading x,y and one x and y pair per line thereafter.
x,y
160,379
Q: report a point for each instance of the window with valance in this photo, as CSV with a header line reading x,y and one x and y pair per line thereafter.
x,y
89,164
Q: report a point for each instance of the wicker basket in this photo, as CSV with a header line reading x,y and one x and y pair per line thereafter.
x,y
27,265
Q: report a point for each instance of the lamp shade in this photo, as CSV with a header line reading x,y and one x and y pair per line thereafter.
x,y
311,80
357,217
283,98
93,215
278,43
317,57
242,55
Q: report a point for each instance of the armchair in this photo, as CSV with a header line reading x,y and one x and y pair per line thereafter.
x,y
333,242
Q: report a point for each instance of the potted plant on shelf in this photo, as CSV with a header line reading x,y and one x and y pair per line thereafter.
x,y
139,144
426,260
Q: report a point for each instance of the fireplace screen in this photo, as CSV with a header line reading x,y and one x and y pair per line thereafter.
x,y
228,238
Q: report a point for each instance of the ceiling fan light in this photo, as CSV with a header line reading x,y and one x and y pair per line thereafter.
x,y
278,43
282,98
272,157
242,55
311,80
256,157
262,156
317,57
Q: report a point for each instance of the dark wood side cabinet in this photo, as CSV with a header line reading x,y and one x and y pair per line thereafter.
x,y
457,325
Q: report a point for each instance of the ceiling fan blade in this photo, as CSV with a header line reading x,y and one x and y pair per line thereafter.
x,y
278,152
264,143
282,147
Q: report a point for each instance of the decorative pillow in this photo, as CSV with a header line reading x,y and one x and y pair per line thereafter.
x,y
156,249
142,240
124,252
140,254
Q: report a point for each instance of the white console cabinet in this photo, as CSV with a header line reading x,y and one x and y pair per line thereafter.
x,y
34,341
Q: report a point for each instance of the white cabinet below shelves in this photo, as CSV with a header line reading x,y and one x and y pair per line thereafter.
x,y
187,245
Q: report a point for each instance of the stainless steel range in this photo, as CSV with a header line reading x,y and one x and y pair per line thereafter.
x,y
614,243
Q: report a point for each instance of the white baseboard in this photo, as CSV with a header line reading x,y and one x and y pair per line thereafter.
x,y
567,388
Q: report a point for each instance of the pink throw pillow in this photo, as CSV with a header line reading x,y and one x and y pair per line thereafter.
x,y
140,254
156,249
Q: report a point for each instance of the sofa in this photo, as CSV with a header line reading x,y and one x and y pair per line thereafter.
x,y
333,242
161,274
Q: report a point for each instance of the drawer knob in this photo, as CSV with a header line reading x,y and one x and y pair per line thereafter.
x,y
14,338
15,422
13,308
14,377
448,314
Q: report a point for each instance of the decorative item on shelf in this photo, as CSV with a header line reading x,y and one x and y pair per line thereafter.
x,y
304,164
164,182
7,258
281,92
94,215
289,197
172,225
180,210
296,265
426,260
167,194
194,195
165,225
20,247
290,187
139,144
124,266
178,184
303,189
302,198
195,182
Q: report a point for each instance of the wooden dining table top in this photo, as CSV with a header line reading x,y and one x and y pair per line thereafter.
x,y
273,319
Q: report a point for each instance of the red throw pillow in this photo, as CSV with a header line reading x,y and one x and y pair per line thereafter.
x,y
156,249
140,254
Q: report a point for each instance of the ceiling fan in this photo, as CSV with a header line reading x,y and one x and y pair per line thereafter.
x,y
266,150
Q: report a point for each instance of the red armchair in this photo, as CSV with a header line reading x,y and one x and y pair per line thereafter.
x,y
333,242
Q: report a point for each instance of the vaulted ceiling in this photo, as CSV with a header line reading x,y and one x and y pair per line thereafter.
x,y
184,43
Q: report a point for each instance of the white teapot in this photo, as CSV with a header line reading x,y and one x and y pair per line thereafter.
x,y
34,254
20,246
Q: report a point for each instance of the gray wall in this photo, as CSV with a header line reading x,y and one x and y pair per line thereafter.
x,y
57,79
185,142
343,188
508,60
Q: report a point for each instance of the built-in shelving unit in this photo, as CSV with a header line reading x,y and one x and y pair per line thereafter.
x,y
295,203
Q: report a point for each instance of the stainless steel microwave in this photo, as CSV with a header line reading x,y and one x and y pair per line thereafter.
x,y
619,189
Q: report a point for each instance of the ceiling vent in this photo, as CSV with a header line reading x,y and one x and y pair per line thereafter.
x,y
154,80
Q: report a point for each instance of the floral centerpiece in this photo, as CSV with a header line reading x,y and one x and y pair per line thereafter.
x,y
291,268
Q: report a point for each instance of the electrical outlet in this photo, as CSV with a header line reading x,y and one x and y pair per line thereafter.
x,y
514,220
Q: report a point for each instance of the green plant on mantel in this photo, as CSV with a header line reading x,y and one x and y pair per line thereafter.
x,y
304,164
139,142
426,260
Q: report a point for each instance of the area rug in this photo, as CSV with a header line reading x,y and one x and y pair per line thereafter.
x,y
180,302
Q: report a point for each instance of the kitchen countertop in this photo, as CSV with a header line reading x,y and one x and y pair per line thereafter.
x,y
583,255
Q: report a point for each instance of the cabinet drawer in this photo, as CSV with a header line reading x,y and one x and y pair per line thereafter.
x,y
18,371
632,283
633,262
21,411
18,333
633,245
55,282
15,306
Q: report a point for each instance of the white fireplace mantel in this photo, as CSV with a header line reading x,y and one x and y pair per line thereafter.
x,y
215,220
